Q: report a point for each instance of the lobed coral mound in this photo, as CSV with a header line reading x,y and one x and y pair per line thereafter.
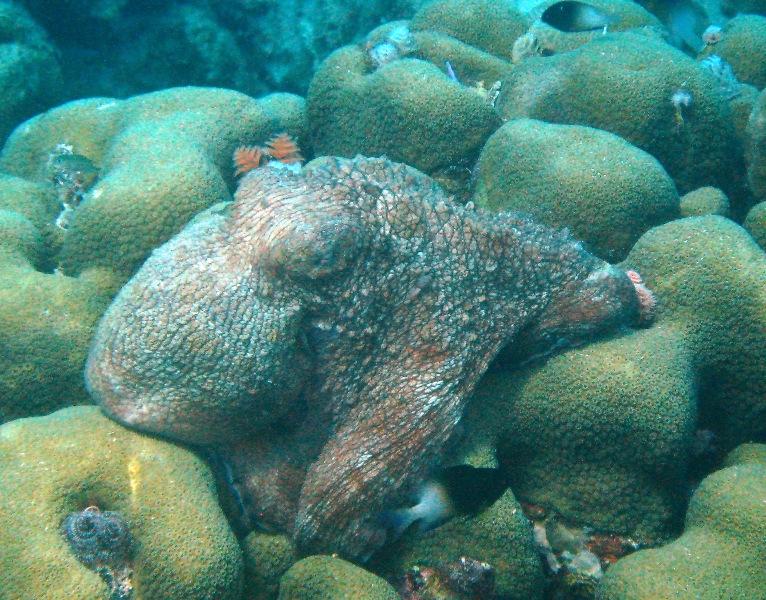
x,y
720,554
89,508
345,343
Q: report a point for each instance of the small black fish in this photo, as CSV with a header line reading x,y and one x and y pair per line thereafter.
x,y
570,16
456,490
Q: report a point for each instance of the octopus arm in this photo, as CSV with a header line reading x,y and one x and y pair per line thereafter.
x,y
385,447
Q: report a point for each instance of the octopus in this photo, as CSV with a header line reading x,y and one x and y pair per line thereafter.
x,y
322,333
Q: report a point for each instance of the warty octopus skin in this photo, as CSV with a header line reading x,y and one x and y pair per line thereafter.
x,y
323,331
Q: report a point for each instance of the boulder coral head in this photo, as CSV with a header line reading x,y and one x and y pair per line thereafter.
x,y
324,330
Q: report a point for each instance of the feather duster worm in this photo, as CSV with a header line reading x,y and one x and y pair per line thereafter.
x,y
280,147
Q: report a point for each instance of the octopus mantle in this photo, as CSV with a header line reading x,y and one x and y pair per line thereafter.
x,y
323,332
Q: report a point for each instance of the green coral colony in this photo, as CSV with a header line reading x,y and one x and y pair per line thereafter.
x,y
502,337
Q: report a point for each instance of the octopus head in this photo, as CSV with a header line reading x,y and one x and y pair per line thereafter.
x,y
321,244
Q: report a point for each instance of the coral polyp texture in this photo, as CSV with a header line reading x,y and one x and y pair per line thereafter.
x,y
500,534
88,507
755,223
721,552
603,188
319,577
596,85
326,329
394,95
743,44
161,157
756,148
607,435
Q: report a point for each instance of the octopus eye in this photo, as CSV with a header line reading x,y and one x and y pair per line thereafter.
x,y
315,249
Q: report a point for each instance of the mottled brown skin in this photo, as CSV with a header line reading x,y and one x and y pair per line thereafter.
x,y
324,334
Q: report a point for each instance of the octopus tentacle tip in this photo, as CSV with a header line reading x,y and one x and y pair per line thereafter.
x,y
647,301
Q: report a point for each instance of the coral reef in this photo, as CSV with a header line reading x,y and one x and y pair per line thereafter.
x,y
411,110
576,431
46,319
756,148
321,577
55,469
723,329
393,110
605,190
755,223
91,188
381,265
705,201
607,16
267,557
168,153
595,85
487,25
463,579
371,360
743,45
721,552
745,454
742,107
604,435
499,536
